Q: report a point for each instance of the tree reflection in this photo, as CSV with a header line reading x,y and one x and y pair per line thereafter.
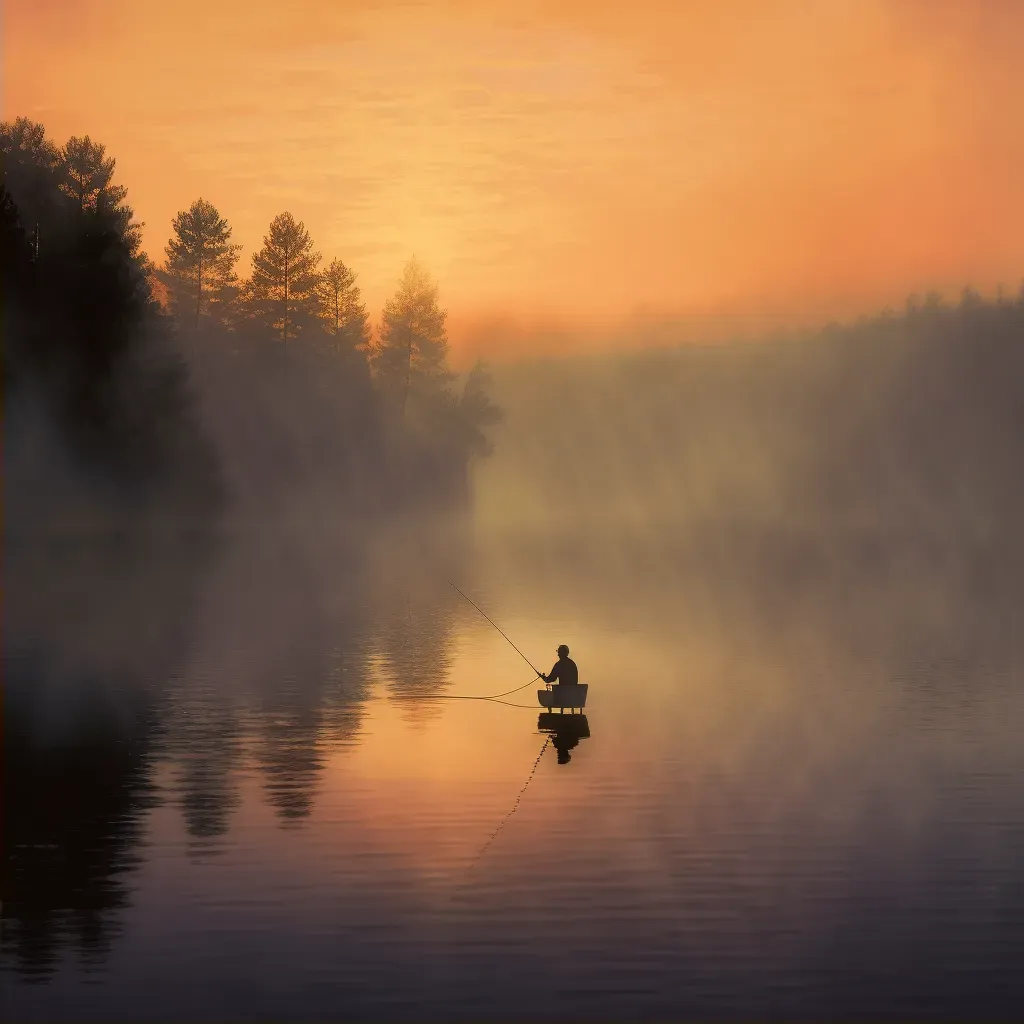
x,y
279,674
413,640
271,665
208,750
316,705
72,820
80,734
414,615
290,758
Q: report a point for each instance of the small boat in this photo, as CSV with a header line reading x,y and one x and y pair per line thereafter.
x,y
561,696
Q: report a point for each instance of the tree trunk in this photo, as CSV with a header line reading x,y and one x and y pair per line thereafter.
x,y
408,378
199,290
284,319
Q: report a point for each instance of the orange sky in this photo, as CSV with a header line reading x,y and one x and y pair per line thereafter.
x,y
583,172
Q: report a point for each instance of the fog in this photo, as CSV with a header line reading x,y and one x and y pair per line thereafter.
x,y
790,568
873,451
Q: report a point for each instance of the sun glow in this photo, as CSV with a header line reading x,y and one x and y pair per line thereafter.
x,y
715,164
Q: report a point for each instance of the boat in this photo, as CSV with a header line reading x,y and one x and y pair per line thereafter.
x,y
561,696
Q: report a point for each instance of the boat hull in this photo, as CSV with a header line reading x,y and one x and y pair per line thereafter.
x,y
559,696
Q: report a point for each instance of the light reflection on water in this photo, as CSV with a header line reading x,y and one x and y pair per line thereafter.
x,y
780,811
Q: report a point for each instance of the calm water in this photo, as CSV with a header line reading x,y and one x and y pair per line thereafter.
x,y
233,797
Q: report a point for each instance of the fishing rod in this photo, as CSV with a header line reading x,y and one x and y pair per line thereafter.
x,y
498,628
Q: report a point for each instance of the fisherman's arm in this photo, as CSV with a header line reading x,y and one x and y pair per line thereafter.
x,y
552,676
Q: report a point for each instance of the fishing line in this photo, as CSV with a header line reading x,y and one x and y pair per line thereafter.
x,y
493,697
504,821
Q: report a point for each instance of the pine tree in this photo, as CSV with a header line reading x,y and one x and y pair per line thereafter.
x,y
284,288
30,169
47,182
83,325
343,313
88,175
411,358
477,411
200,258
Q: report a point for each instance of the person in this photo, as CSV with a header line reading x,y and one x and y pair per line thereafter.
x,y
564,670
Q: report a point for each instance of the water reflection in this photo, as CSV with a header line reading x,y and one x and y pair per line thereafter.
x,y
213,658
413,637
566,732
82,723
206,746
73,817
776,793
289,756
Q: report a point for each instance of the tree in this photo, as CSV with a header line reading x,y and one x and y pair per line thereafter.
x,y
200,257
47,183
86,180
342,311
283,289
88,175
84,341
411,358
30,164
477,411
23,139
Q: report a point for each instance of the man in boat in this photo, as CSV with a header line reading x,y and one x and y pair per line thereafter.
x,y
564,670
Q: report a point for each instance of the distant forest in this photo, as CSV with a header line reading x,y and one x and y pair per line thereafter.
x,y
187,387
183,387
891,444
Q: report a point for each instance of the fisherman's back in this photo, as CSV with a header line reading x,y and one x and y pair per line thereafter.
x,y
565,672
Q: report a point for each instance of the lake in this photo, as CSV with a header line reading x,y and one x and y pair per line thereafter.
x,y
232,792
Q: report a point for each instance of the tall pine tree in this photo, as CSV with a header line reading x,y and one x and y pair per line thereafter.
x,y
200,259
86,180
411,358
343,314
31,173
477,412
284,288
88,175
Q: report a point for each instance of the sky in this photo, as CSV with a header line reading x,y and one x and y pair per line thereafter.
x,y
577,174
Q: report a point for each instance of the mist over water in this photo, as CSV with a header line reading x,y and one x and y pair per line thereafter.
x,y
791,576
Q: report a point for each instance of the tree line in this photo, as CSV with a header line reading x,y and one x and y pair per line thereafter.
x,y
225,378
291,297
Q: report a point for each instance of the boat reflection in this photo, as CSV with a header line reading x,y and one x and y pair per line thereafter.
x,y
566,731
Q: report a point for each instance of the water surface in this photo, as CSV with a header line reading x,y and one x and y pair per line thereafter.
x,y
800,793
